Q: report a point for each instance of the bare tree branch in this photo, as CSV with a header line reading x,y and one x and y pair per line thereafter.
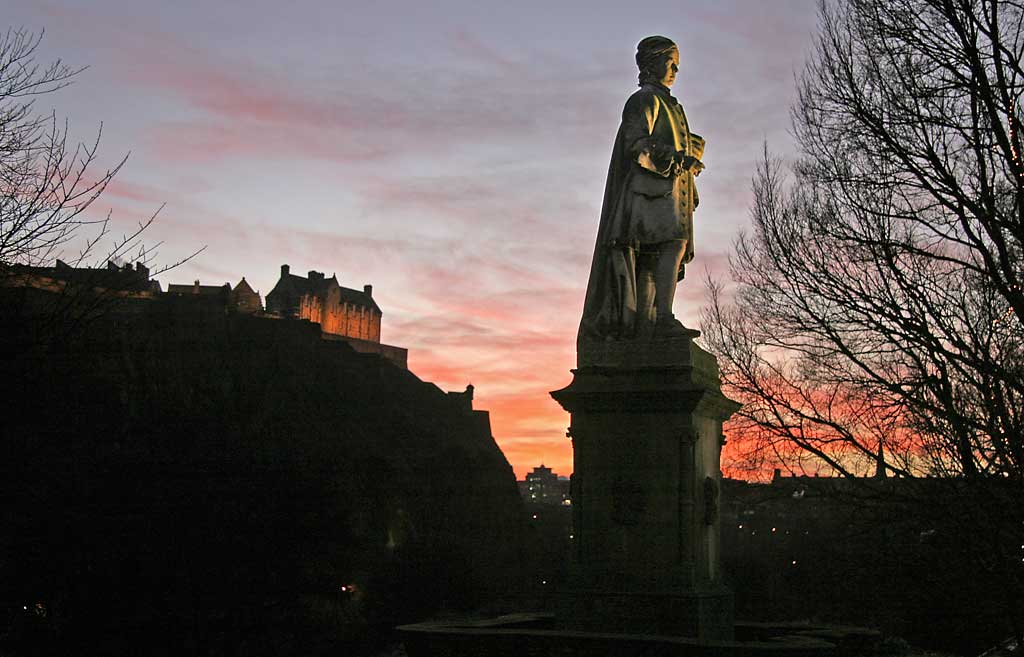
x,y
877,319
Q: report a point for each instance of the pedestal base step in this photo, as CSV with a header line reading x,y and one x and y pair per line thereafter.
x,y
697,614
522,636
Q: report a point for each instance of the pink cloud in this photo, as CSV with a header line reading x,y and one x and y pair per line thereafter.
x,y
469,45
246,106
121,188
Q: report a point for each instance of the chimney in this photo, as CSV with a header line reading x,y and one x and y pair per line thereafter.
x,y
316,275
284,270
368,290
195,290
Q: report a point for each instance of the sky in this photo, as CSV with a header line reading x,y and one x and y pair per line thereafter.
x,y
451,154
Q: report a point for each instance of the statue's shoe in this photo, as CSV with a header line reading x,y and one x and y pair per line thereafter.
x,y
670,327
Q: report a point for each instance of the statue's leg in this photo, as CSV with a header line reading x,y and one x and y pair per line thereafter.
x,y
670,255
646,266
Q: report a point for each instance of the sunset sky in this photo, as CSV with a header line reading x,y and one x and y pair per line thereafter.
x,y
451,154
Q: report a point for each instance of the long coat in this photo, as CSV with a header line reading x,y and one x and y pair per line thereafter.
x,y
647,199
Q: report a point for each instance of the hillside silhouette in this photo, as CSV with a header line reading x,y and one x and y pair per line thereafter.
x,y
177,477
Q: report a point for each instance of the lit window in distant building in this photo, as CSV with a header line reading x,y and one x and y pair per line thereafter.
x,y
545,487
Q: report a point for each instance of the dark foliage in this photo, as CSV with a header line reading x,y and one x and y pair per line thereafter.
x,y
813,548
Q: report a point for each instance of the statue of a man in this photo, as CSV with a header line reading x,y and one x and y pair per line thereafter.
x,y
645,237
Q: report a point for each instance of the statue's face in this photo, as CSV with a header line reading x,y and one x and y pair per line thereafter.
x,y
671,68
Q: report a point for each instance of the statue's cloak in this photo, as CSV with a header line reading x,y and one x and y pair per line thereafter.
x,y
654,131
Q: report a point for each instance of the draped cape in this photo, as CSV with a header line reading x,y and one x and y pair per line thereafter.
x,y
654,128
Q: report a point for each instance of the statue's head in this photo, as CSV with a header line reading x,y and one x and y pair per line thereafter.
x,y
657,57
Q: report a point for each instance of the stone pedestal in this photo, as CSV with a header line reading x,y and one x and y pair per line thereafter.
x,y
646,430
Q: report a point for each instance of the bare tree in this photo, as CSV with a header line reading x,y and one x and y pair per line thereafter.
x,y
877,320
46,181
47,184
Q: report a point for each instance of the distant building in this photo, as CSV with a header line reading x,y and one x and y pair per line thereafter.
x,y
122,280
222,292
548,516
542,486
241,298
245,299
338,310
343,313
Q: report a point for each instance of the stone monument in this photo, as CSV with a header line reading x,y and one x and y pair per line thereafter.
x,y
647,412
645,402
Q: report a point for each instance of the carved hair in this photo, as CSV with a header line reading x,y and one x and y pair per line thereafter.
x,y
652,54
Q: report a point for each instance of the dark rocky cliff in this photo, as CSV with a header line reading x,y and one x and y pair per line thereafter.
x,y
177,478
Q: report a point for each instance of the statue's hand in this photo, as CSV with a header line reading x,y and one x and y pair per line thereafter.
x,y
692,164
